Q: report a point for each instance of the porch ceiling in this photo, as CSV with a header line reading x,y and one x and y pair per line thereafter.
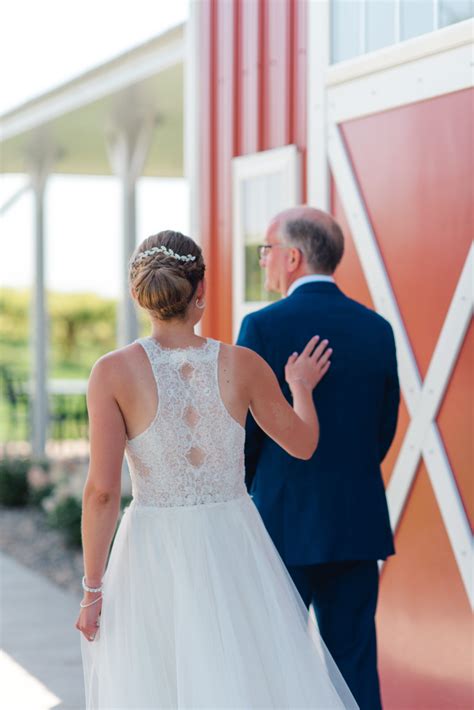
x,y
73,119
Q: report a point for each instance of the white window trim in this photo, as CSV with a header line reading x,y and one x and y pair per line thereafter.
x,y
396,86
269,162
393,55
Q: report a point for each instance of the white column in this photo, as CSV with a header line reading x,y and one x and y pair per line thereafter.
x,y
40,166
128,146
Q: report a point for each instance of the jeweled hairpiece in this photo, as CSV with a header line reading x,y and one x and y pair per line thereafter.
x,y
169,252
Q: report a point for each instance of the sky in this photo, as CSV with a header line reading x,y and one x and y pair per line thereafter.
x,y
46,43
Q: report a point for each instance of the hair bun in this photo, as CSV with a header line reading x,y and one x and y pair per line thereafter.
x,y
163,281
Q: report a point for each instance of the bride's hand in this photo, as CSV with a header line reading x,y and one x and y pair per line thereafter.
x,y
89,618
310,366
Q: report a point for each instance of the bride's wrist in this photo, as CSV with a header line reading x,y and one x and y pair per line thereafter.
x,y
91,595
91,584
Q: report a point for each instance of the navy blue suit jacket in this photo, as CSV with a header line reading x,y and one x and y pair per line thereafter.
x,y
332,507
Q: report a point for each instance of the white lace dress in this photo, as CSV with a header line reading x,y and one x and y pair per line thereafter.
x,y
199,610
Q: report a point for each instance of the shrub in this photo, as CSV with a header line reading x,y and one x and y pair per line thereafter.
x,y
37,495
39,482
66,517
14,487
64,513
63,505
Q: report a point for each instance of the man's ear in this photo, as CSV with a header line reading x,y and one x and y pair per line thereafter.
x,y
294,260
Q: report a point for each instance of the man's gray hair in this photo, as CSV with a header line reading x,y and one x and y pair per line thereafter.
x,y
322,244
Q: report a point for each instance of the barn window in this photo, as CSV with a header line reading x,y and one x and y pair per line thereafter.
x,y
361,26
264,184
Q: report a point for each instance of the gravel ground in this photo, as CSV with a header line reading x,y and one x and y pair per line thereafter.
x,y
25,536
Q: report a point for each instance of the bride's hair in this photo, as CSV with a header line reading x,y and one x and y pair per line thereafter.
x,y
164,272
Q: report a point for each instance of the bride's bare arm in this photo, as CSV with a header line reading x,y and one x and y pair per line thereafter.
x,y
101,498
295,429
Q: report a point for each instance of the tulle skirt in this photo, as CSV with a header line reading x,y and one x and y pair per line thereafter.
x,y
199,611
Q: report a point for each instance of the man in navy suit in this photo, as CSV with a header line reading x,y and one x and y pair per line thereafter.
x,y
327,516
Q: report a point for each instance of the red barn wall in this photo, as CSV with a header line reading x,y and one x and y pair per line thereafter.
x,y
253,97
416,185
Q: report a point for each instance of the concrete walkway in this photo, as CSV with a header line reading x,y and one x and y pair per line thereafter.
x,y
40,665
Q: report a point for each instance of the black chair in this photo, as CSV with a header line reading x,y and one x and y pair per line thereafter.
x,y
15,392
58,416
68,416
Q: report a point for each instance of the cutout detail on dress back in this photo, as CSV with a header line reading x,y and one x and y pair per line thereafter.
x,y
193,452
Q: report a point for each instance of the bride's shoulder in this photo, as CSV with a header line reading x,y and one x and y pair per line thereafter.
x,y
240,356
114,365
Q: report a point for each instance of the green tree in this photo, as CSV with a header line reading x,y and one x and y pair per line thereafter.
x,y
81,319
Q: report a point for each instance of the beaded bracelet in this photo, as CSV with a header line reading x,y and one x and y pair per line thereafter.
x,y
90,589
84,606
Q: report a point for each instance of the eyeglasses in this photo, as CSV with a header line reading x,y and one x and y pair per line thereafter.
x,y
263,249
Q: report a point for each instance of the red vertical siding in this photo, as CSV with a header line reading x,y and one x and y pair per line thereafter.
x,y
225,145
253,97
207,151
298,100
276,87
248,77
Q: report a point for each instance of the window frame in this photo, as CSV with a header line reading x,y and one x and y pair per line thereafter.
x,y
286,161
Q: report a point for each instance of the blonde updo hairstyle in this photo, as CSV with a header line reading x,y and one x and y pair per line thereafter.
x,y
162,284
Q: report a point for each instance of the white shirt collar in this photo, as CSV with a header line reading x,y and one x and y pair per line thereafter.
x,y
308,279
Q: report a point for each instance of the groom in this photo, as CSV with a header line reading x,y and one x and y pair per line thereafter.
x,y
327,516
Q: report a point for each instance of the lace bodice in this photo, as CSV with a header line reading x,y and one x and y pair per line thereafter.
x,y
192,453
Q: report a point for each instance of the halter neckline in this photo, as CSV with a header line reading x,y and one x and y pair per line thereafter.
x,y
183,349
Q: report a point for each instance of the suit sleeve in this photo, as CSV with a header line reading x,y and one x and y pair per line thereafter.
x,y
391,399
249,337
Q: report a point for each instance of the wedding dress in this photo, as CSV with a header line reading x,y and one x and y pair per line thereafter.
x,y
198,608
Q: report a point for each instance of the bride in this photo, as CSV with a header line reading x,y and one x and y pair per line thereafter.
x,y
194,608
